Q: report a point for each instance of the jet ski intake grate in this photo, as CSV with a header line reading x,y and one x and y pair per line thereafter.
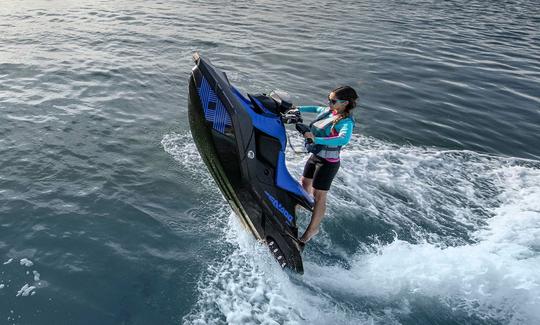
x,y
278,255
214,111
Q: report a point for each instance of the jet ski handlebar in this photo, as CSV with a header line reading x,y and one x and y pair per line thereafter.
x,y
293,116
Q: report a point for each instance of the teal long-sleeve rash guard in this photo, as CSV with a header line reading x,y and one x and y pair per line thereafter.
x,y
344,128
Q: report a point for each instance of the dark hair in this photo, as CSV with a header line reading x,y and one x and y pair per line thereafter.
x,y
346,93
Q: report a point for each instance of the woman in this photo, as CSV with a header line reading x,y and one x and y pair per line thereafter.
x,y
331,130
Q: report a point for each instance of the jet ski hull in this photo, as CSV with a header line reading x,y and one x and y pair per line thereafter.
x,y
244,152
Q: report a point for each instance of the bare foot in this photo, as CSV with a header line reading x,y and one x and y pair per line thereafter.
x,y
307,236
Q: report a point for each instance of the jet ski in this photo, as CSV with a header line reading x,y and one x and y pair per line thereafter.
x,y
242,141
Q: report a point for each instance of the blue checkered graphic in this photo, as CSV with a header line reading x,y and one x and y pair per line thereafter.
x,y
214,111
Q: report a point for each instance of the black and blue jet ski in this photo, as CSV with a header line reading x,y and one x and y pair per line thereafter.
x,y
242,141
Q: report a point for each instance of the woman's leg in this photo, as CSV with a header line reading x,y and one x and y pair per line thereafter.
x,y
321,182
307,184
318,214
307,175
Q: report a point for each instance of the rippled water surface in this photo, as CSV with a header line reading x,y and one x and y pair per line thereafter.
x,y
109,216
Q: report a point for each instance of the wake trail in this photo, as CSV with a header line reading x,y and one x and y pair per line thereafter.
x,y
457,229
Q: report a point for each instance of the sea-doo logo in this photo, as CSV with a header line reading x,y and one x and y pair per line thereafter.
x,y
279,207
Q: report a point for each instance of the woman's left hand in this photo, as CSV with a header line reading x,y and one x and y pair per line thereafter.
x,y
309,135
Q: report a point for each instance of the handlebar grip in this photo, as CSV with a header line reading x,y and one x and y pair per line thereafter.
x,y
302,128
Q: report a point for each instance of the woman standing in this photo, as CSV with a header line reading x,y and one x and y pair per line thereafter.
x,y
330,131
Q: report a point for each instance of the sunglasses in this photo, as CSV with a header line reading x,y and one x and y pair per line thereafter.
x,y
335,101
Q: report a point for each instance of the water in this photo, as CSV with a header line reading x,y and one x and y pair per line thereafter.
x,y
108,215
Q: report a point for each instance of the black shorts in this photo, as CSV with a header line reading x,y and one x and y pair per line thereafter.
x,y
321,171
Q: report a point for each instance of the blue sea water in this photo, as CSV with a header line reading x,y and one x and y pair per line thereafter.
x,y
109,216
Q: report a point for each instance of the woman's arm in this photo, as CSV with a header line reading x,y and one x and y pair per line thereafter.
x,y
341,139
311,109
